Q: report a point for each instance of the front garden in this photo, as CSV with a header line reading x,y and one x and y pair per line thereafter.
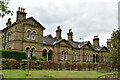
x,y
18,67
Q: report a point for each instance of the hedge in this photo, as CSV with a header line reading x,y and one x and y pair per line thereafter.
x,y
18,55
50,65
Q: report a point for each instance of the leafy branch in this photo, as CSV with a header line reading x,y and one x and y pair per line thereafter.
x,y
4,9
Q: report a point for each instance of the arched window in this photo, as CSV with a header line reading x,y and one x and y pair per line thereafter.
x,y
28,34
44,54
73,58
28,52
66,56
62,55
33,35
32,51
9,36
89,58
76,56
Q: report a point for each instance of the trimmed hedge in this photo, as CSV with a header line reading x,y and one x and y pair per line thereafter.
x,y
50,65
18,55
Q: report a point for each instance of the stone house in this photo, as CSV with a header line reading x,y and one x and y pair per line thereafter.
x,y
26,34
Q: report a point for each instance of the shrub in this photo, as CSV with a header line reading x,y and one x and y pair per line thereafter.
x,y
67,65
42,59
18,55
24,64
34,58
9,63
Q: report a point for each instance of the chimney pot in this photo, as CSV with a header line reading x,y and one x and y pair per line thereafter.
x,y
19,9
23,9
9,22
58,27
70,30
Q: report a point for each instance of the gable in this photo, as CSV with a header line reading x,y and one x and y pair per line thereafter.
x,y
33,22
104,49
63,43
87,47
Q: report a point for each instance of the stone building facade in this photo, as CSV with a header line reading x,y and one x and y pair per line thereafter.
x,y
26,34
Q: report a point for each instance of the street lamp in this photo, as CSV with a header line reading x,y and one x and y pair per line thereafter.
x,y
28,58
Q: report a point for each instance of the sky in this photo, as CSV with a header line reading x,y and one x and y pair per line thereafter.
x,y
86,18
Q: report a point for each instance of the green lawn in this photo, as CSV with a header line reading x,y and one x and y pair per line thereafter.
x,y
52,74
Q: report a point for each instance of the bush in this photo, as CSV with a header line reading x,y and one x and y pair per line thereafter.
x,y
42,59
9,63
34,58
18,55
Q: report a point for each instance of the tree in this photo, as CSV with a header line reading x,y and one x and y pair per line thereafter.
x,y
115,51
4,9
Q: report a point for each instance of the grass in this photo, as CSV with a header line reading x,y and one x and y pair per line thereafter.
x,y
51,74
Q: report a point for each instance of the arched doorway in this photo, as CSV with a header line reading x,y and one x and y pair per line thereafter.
x,y
44,53
50,55
97,58
28,52
32,51
93,58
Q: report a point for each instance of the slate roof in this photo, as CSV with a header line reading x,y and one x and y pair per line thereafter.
x,y
49,40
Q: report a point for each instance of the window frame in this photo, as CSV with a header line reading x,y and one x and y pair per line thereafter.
x,y
28,34
33,35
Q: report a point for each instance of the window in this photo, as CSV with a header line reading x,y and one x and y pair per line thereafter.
x,y
66,56
33,35
28,34
89,57
72,57
32,51
76,56
62,55
28,52
9,36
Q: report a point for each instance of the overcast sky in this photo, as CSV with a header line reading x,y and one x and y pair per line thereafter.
x,y
86,18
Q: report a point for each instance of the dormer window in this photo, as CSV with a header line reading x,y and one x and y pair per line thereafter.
x,y
33,35
28,34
